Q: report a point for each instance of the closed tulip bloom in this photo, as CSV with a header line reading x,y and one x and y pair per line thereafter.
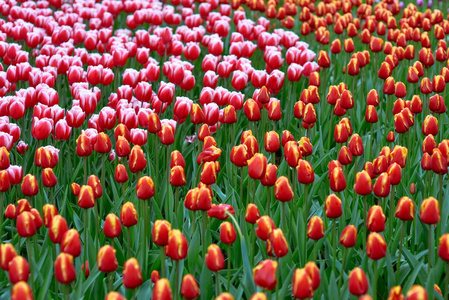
x,y
49,211
57,229
376,219
257,166
84,145
162,290
177,176
10,211
394,173
176,159
103,143
94,182
315,228
282,189
7,253
145,188
252,213
443,247
227,233
332,206
356,145
166,135
224,296
25,224
439,162
189,287
214,258
4,181
405,210
45,157
137,160
71,243
86,198
239,155
292,154
345,156
19,270
177,245
106,260
65,272
272,143
430,125
122,147
348,237
314,273
430,211
357,282
112,227
395,293
258,296
132,276
376,248
114,296
337,180
252,110
120,174
265,226
204,199
48,178
278,243
417,292
270,176
302,284
382,185
305,171
128,214
209,173
29,186
264,274
21,291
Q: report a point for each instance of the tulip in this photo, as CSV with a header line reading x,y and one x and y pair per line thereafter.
x,y
332,206
58,227
278,243
162,290
376,219
302,284
25,224
189,287
416,292
106,260
227,233
220,211
7,253
19,270
357,282
86,198
337,180
21,291
177,245
145,188
71,243
114,296
252,213
64,268
214,258
29,185
264,274
132,276
258,296
224,296
112,227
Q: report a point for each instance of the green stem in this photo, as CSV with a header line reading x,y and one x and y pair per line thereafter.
x,y
283,216
176,204
2,203
446,290
398,269
253,245
177,280
203,230
268,199
334,242
229,266
342,270
163,262
128,240
85,239
217,284
241,185
364,221
111,281
429,265
314,257
306,203
30,260
375,280
391,219
85,169
66,291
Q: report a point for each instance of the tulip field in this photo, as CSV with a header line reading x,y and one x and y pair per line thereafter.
x,y
224,149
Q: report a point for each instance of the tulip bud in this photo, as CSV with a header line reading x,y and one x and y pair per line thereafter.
x,y
137,160
224,296
106,260
103,143
86,198
95,184
292,154
337,180
25,224
272,143
21,291
417,292
376,219
265,226
4,158
132,276
19,270
332,206
227,233
214,258
29,186
302,285
278,242
257,166
239,155
405,210
65,272
57,229
282,189
48,178
162,290
315,228
395,293
220,211
128,215
209,173
264,274
75,187
120,174
376,248
189,287
112,227
357,282
10,212
145,188
122,147
348,237
258,296
305,171
71,243
430,211
382,185
252,213
443,247
177,245
270,176
114,296
84,145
